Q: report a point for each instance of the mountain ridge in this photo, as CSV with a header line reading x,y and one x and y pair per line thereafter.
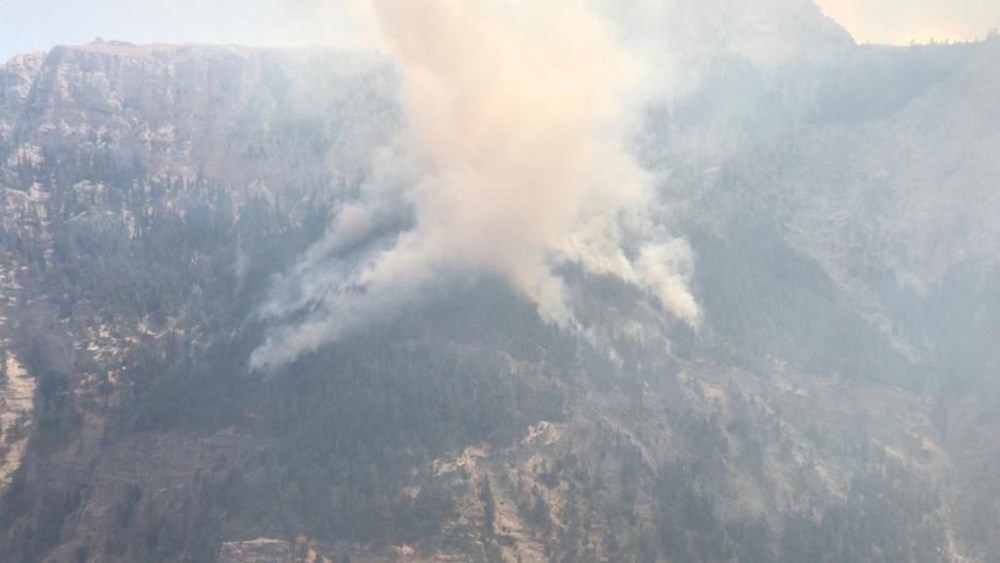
x,y
793,428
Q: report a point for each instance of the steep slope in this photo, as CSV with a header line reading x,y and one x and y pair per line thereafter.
x,y
888,188
115,158
835,407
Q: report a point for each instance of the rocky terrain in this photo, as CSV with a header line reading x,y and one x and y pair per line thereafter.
x,y
837,405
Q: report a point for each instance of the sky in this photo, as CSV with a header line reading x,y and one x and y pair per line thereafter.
x,y
37,25
902,21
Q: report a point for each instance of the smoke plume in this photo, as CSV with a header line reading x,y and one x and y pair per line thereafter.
x,y
513,160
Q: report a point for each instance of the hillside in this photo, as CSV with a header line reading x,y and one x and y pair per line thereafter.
x,y
836,405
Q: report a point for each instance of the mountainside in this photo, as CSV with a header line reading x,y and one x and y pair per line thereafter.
x,y
836,405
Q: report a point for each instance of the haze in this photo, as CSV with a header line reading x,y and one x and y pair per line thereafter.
x,y
903,21
28,26
516,281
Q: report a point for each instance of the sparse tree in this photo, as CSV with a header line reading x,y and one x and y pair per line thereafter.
x,y
489,505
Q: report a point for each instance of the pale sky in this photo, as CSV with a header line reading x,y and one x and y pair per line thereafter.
x,y
902,21
37,25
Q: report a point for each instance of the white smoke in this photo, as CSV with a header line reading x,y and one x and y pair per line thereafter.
x,y
513,160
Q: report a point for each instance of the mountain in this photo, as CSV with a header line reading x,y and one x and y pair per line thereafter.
x,y
686,37
836,405
768,32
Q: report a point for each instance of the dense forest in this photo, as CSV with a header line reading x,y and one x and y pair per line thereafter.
x,y
822,413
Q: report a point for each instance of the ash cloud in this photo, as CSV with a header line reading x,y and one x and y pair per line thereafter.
x,y
513,160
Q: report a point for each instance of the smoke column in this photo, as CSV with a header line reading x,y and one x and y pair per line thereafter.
x,y
513,160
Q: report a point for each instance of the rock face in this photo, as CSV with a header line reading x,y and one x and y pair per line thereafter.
x,y
16,406
837,405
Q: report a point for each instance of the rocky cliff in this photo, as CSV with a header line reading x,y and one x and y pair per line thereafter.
x,y
836,406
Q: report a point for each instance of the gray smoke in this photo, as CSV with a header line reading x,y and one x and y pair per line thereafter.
x,y
513,160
